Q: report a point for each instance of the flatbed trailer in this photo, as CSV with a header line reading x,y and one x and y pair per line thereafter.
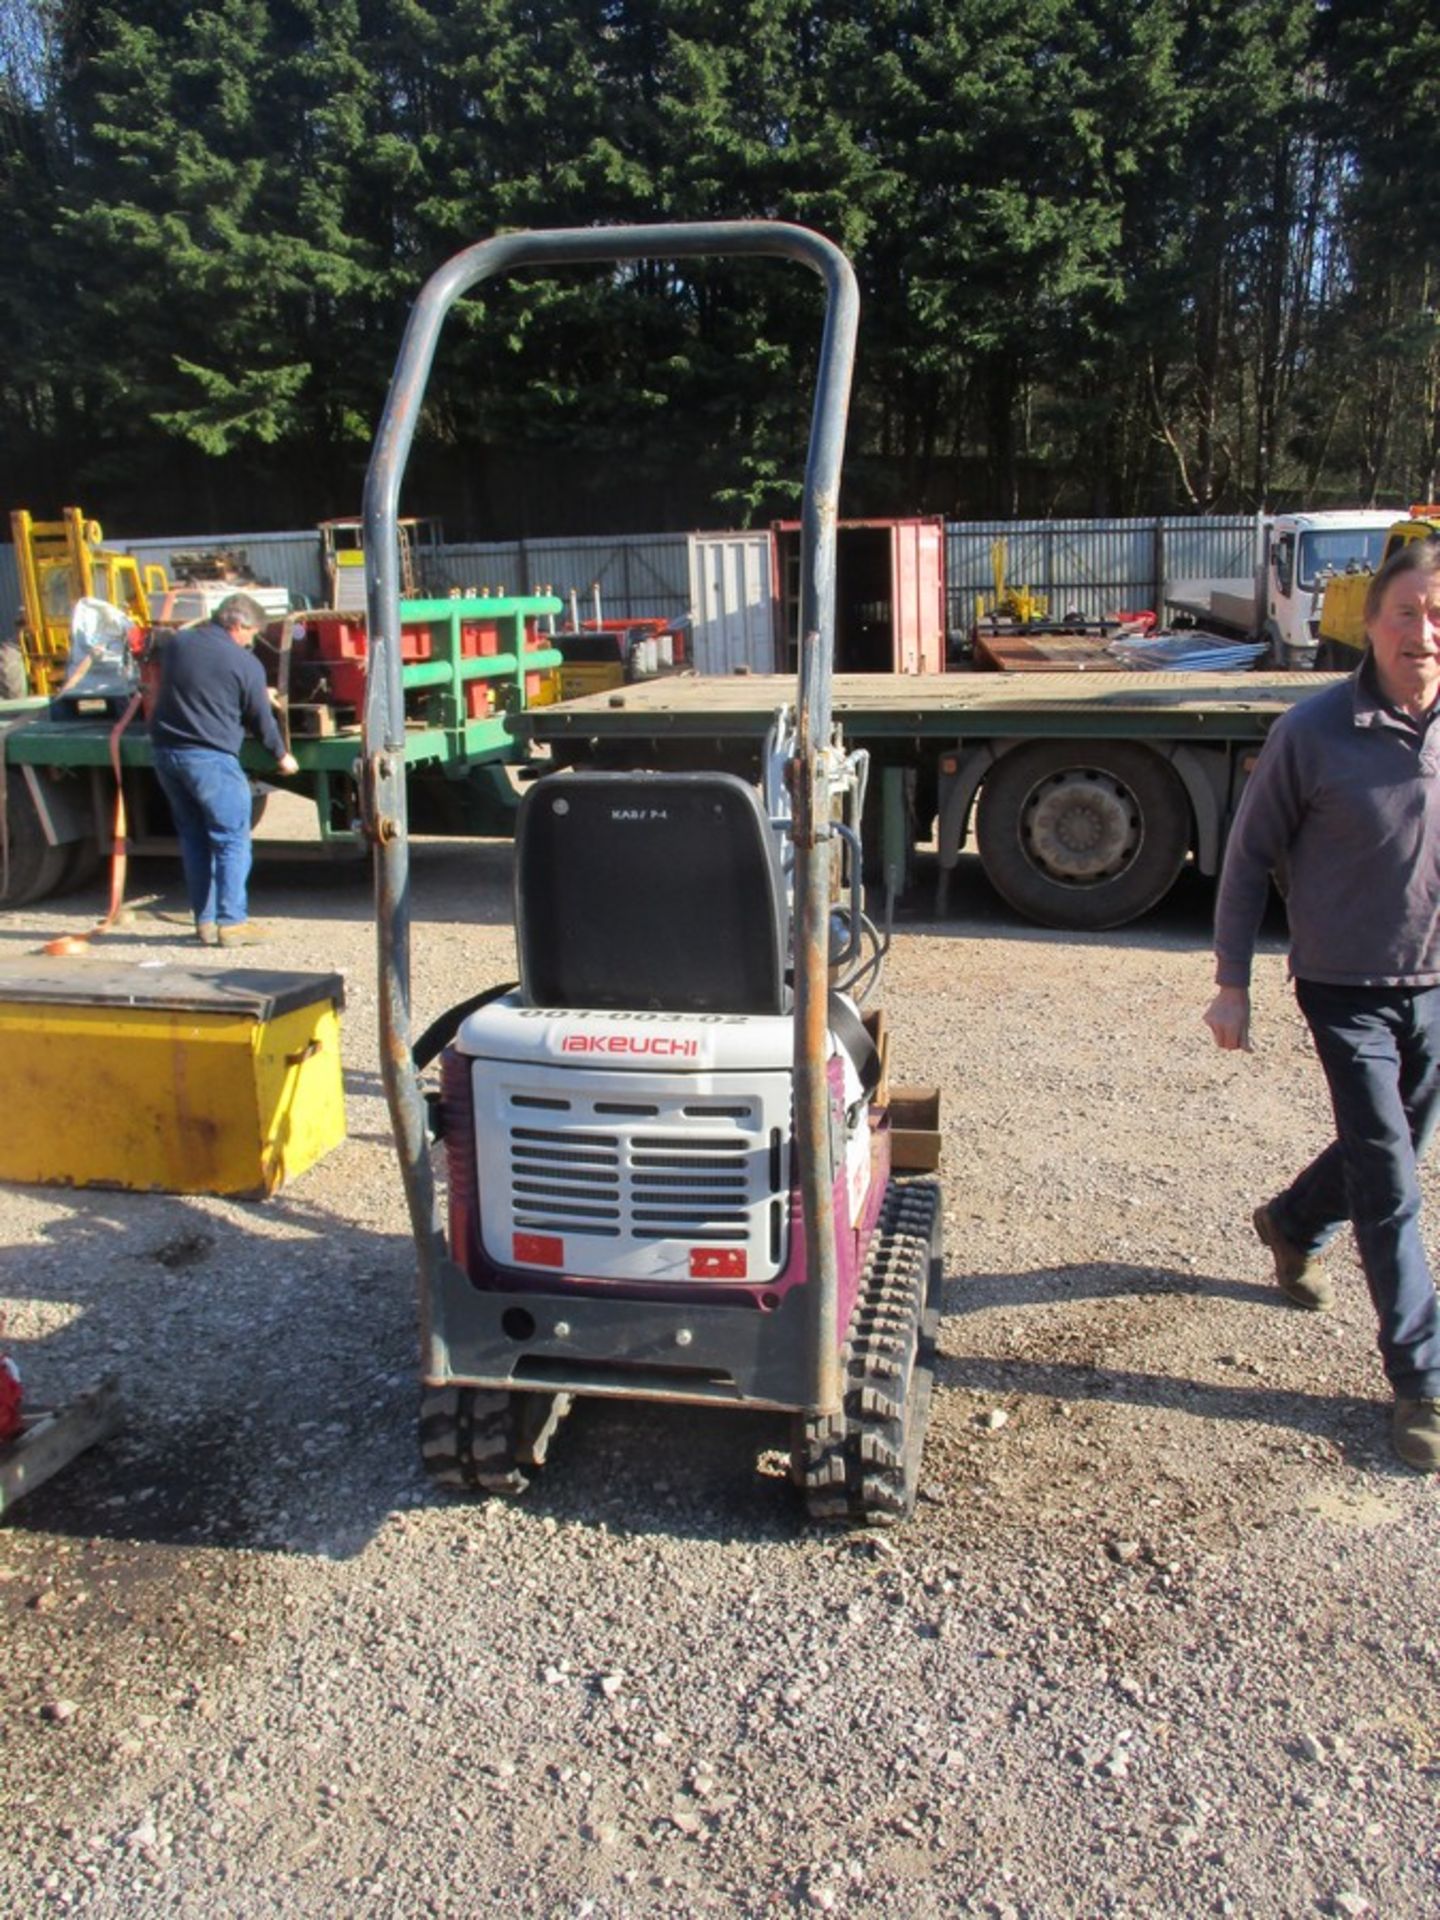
x,y
1085,795
476,663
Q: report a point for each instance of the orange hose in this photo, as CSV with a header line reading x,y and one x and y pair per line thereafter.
x,y
70,943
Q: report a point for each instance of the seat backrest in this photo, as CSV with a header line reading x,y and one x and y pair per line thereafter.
x,y
649,891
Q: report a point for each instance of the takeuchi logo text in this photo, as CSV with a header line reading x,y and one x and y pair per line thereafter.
x,y
669,1046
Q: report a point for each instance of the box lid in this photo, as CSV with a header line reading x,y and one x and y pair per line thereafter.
x,y
261,992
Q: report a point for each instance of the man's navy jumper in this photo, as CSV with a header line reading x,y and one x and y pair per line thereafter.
x,y
212,692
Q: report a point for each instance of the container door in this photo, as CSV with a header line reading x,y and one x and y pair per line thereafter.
x,y
732,602
917,550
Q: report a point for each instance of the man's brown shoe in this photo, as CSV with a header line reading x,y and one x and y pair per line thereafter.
x,y
207,933
244,933
1416,1432
1301,1277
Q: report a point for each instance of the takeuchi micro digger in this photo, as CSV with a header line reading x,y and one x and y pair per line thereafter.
x,y
668,1147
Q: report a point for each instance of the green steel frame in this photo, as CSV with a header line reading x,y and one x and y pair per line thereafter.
x,y
440,738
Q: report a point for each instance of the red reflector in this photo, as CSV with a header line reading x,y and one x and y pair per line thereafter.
x,y
717,1263
539,1249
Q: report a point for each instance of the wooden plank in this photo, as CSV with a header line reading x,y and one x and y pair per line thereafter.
x,y
51,1440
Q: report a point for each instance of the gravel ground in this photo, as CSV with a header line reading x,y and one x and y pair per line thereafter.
x,y
1161,1638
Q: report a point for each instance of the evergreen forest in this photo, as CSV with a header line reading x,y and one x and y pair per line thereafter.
x,y
1116,256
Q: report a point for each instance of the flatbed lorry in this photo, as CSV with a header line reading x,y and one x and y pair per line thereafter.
x,y
1084,797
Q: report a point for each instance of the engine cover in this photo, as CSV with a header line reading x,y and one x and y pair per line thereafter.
x,y
649,1147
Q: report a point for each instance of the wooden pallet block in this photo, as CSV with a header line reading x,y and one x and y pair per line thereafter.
x,y
51,1437
915,1137
310,722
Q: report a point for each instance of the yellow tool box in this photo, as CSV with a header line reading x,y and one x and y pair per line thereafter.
x,y
169,1079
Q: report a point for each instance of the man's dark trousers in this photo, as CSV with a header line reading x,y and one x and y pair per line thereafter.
x,y
1380,1049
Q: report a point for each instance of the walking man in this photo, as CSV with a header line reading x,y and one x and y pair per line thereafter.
x,y
1344,808
212,693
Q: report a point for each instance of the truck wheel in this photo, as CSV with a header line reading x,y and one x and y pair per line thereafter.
x,y
83,860
34,867
13,682
1082,834
1333,656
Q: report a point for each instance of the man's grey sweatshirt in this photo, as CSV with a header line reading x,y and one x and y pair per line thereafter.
x,y
1343,807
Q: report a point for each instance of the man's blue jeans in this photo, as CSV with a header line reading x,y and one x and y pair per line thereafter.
x,y
1380,1048
210,799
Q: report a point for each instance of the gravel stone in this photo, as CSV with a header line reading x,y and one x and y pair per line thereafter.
x,y
1158,1639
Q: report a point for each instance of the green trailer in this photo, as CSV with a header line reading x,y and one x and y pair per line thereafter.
x,y
477,663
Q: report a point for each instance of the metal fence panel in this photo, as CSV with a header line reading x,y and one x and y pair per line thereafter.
x,y
474,567
1200,548
634,574
290,560
1095,566
1196,555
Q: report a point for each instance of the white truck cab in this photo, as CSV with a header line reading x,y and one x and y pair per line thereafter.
x,y
1303,551
1278,603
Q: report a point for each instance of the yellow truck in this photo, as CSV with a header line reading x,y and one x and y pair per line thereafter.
x,y
1342,611
60,562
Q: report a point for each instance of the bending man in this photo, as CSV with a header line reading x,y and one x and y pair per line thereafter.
x,y
212,693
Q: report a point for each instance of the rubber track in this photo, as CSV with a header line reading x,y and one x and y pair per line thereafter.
x,y
469,1439
862,1465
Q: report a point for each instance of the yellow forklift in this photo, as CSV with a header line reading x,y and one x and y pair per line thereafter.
x,y
59,562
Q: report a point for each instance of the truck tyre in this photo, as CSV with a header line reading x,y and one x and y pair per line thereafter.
x,y
83,860
1082,834
1333,656
34,868
13,682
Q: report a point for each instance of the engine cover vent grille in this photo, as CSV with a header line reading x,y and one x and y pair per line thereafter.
x,y
628,1181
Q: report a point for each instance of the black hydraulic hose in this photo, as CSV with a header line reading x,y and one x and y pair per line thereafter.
x,y
440,1032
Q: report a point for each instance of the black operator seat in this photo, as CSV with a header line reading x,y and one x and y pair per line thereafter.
x,y
650,892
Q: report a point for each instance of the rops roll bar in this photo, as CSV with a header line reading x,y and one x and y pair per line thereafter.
x,y
382,770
